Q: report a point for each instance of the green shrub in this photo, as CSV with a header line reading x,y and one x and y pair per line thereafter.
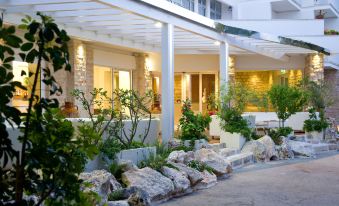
x,y
232,121
199,166
315,124
156,162
192,125
276,134
116,195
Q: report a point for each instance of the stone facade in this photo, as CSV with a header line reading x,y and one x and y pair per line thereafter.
x,y
331,76
141,77
314,67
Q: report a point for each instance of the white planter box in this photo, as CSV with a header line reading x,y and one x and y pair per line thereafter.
x,y
198,144
135,155
235,140
314,137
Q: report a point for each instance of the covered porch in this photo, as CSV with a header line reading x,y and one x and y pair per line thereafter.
x,y
165,48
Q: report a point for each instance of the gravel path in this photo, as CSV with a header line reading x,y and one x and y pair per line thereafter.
x,y
309,182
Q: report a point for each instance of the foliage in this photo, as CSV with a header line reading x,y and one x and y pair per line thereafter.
x,y
212,104
315,124
233,122
287,100
236,95
261,100
116,170
116,195
111,146
276,134
135,107
192,125
200,166
156,162
255,136
50,159
320,95
105,115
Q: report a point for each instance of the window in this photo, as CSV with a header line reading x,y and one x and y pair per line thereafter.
x,y
202,7
187,4
215,9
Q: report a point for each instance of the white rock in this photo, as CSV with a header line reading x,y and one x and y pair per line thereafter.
x,y
101,182
284,150
302,148
154,183
118,203
257,148
219,165
177,156
193,175
271,153
209,180
179,179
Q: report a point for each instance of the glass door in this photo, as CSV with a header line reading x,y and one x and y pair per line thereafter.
x,y
208,92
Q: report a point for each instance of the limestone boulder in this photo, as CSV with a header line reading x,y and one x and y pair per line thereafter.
x,y
137,197
301,148
179,178
271,152
100,182
257,148
177,156
193,175
118,203
189,157
284,150
153,182
219,165
209,180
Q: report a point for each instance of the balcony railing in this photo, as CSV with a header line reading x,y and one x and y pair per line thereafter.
x,y
187,4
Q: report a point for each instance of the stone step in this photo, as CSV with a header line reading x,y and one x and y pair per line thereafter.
x,y
333,146
217,146
320,148
226,152
240,160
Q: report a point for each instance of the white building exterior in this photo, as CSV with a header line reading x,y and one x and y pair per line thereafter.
x,y
178,49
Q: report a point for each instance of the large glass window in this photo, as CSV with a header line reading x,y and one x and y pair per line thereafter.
x,y
20,98
215,9
110,79
202,7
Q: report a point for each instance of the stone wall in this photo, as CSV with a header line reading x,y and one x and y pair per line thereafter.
x,y
331,76
141,78
314,67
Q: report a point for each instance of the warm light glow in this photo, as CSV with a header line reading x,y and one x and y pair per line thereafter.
x,y
17,68
283,71
158,24
217,43
81,51
149,64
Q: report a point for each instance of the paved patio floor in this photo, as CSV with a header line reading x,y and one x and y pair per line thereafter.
x,y
309,182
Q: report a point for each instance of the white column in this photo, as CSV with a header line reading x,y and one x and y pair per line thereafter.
x,y
196,6
223,61
167,87
208,8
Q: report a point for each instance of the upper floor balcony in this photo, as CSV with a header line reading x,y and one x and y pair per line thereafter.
x,y
213,9
322,8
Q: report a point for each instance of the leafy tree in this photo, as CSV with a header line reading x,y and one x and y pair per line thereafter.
x,y
286,101
50,159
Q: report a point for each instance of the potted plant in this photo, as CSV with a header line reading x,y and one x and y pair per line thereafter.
x,y
314,127
320,15
320,97
235,131
212,105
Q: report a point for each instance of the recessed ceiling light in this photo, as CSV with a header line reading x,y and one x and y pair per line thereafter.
x,y
217,43
158,24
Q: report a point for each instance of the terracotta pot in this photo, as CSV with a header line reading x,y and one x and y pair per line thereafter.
x,y
69,109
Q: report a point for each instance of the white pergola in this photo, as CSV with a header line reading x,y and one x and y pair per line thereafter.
x,y
153,26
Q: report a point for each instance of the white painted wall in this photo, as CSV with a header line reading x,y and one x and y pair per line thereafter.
x,y
203,63
115,60
257,62
303,14
254,10
280,27
332,23
330,42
